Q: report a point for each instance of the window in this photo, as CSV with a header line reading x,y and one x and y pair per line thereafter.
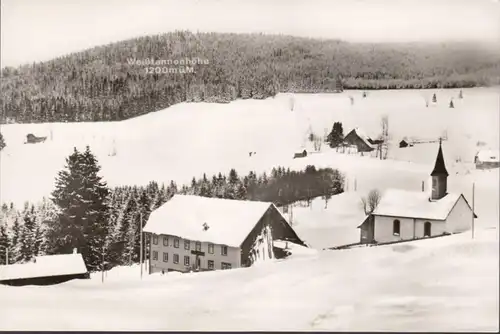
x,y
396,227
427,229
186,260
198,246
155,239
223,250
211,264
165,257
187,244
155,255
176,242
225,265
211,248
176,258
165,240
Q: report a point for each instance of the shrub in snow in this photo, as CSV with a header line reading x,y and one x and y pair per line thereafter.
x,y
2,142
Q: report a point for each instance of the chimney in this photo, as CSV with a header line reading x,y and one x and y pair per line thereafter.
x,y
74,251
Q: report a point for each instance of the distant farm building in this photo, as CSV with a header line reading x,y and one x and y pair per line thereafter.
x,y
486,159
300,154
405,143
361,141
407,215
45,270
32,139
194,233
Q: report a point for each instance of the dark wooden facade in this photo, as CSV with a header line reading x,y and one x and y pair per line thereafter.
x,y
302,154
32,139
47,280
352,138
280,230
367,230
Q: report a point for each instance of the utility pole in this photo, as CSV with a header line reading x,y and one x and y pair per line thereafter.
x,y
473,184
423,186
141,251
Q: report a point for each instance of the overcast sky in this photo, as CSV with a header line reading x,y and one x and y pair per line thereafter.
x,y
36,30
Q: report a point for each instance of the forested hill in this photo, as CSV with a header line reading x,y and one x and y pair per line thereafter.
x,y
102,84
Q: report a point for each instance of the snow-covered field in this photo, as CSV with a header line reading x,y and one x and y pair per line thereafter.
x,y
191,138
443,284
440,284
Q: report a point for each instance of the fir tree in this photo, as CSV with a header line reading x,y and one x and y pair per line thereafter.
x,y
336,136
434,98
4,244
82,197
451,104
2,142
15,245
460,94
27,239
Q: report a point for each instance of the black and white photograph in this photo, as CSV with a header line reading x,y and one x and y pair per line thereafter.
x,y
250,165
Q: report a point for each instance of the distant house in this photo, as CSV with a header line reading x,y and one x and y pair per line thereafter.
x,y
486,159
405,143
300,154
45,270
360,140
32,139
406,215
193,233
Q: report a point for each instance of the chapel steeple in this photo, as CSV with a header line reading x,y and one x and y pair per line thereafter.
x,y
439,176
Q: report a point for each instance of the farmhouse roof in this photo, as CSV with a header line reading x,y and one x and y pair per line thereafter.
x,y
45,266
488,155
439,167
411,204
229,221
363,136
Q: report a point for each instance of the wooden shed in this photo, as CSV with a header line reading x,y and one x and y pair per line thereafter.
x,y
45,270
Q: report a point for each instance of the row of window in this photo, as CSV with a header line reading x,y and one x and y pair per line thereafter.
x,y
187,245
187,261
396,228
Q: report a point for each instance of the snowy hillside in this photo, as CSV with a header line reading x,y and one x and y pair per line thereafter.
x,y
191,138
443,284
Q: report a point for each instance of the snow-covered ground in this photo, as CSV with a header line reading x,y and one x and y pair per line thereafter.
x,y
442,284
448,283
189,139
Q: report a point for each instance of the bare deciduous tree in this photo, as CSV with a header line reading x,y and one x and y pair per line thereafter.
x,y
370,202
384,148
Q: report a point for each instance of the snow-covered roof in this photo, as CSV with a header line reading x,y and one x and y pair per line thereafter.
x,y
229,221
488,155
413,204
45,266
361,134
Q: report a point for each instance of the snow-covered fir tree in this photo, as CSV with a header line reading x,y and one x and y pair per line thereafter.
x,y
82,197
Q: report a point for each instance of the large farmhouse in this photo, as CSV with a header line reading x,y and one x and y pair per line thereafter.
x,y
360,140
406,215
198,233
45,270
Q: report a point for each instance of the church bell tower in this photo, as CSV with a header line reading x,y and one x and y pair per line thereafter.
x,y
439,176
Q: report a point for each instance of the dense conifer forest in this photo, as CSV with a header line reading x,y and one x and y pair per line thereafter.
x,y
107,83
84,213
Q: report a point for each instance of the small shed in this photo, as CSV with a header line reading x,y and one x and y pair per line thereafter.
x,y
300,154
32,139
45,270
487,159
